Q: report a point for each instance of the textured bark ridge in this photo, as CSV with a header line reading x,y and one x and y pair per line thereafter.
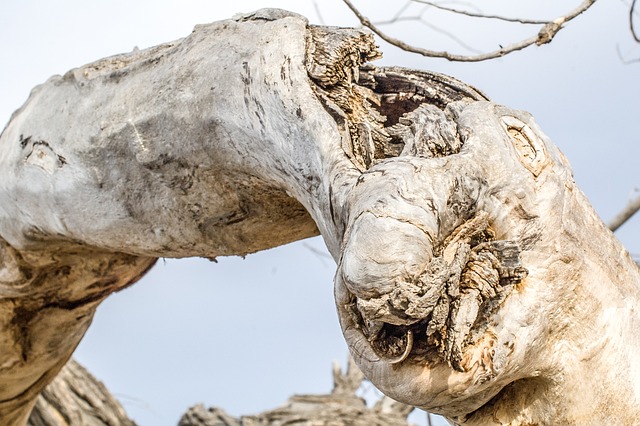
x,y
76,398
389,113
48,302
340,408
458,291
474,279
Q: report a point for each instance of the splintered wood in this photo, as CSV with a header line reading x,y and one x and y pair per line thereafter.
x,y
458,290
404,116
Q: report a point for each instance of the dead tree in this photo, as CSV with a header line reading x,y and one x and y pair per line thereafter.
x,y
75,397
341,407
474,279
546,29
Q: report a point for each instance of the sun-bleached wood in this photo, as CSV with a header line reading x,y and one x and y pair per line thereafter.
x,y
474,279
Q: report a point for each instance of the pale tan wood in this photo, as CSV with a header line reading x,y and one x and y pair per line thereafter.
x,y
341,407
474,278
77,398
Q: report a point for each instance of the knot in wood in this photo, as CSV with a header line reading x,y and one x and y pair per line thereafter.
x,y
449,305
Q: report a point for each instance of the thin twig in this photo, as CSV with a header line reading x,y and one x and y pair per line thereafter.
x,y
468,4
625,214
402,9
397,19
631,13
317,8
419,18
482,15
320,254
546,34
623,59
451,36
435,28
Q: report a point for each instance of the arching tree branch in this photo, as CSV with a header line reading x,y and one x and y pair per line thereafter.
x,y
474,279
544,35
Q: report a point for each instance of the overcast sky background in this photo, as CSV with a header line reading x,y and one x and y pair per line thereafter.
x,y
245,334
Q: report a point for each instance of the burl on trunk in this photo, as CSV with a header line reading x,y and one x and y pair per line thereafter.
x,y
474,279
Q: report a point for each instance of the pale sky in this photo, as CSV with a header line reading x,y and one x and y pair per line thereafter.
x,y
245,334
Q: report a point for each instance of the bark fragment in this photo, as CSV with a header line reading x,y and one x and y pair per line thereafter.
x,y
382,109
334,58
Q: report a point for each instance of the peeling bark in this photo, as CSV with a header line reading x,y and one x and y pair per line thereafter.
x,y
474,279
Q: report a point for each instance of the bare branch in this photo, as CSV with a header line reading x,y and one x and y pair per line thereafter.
x,y
452,36
544,36
482,15
622,58
631,13
401,11
317,9
625,214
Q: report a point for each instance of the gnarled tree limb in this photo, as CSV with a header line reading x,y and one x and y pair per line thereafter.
x,y
474,279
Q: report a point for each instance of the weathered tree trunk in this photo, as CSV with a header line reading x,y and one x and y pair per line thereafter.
x,y
76,398
474,278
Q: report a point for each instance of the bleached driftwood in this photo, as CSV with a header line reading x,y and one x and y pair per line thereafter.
x,y
474,279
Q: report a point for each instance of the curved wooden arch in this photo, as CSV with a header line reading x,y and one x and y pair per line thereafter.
x,y
474,279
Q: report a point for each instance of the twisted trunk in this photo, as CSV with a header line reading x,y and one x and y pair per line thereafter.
x,y
473,278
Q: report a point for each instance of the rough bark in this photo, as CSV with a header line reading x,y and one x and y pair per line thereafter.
x,y
474,279
342,407
75,397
